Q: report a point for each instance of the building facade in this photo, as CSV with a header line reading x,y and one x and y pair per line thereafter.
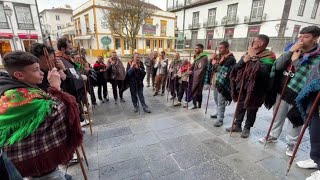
x,y
54,20
20,28
210,21
93,34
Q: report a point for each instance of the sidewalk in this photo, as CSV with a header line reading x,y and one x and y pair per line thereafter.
x,y
179,144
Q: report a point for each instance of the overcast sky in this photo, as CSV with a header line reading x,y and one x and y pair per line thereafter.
x,y
48,4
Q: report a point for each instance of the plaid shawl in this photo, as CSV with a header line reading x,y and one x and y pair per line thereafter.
x,y
53,142
223,80
309,91
307,61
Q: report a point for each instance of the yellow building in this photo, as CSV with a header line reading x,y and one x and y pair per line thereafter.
x,y
92,33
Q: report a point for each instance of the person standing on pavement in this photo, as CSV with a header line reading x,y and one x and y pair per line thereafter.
x,y
149,63
118,75
74,83
306,50
252,71
136,73
183,80
161,70
173,71
304,101
222,65
101,69
198,72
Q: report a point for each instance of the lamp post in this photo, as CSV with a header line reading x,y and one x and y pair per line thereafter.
x,y
8,12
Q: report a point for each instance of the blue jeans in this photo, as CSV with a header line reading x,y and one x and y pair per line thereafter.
x,y
137,92
315,138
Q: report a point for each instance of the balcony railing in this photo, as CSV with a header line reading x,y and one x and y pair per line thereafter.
x,y
231,21
208,24
255,20
194,26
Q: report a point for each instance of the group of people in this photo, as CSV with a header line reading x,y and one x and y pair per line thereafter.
x,y
289,84
42,95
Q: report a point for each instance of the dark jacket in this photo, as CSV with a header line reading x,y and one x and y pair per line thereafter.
x,y
135,76
254,83
100,75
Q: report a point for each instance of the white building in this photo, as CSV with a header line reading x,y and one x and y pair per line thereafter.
x,y
93,34
20,29
210,21
53,20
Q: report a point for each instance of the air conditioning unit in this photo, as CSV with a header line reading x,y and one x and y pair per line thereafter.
x,y
264,17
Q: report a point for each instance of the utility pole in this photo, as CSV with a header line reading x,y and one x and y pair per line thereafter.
x,y
184,18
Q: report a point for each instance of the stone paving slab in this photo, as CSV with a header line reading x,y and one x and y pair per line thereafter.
x,y
180,144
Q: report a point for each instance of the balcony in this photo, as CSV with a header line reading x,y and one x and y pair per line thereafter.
x,y
194,26
208,24
255,20
229,22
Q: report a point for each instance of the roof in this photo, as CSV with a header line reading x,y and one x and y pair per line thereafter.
x,y
196,4
60,10
148,5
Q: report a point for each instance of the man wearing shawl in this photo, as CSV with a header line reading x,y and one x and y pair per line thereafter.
x,y
222,65
198,76
38,131
304,101
295,63
252,71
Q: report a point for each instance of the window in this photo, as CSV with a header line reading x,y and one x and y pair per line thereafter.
x,y
126,45
3,18
232,12
253,31
160,43
257,9
57,17
78,27
195,19
301,7
86,17
315,9
24,16
155,43
163,28
148,43
211,16
59,27
228,34
118,43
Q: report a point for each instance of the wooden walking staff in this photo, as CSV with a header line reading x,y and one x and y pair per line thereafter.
x,y
205,113
86,94
240,93
289,75
49,63
306,124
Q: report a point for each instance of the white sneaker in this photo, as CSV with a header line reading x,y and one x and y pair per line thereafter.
x,y
289,150
314,176
307,164
85,122
270,140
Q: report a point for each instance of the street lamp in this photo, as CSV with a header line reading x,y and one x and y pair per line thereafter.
x,y
8,12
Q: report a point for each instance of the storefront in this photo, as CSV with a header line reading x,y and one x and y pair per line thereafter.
x,y
5,43
27,41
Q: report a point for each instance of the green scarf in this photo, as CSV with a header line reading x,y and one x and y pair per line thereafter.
x,y
22,110
200,56
267,57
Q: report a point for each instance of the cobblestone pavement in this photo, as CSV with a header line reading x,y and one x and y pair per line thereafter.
x,y
175,143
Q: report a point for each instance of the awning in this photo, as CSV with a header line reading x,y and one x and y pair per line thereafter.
x,y
6,35
82,37
26,36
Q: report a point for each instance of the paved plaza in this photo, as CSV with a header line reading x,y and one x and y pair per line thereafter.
x,y
179,144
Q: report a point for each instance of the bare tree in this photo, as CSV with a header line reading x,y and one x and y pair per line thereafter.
x,y
125,17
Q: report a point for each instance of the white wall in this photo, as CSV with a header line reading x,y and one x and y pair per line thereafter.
x,y
307,12
35,19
